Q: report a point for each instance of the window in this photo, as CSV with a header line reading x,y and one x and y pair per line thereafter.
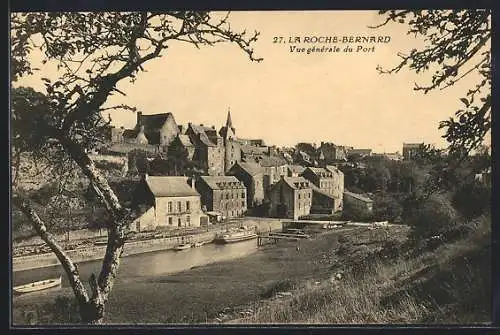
x,y
179,207
299,196
170,221
227,196
170,206
188,220
242,195
179,222
242,204
299,205
187,205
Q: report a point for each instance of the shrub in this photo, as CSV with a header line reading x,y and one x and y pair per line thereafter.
x,y
472,199
435,216
386,208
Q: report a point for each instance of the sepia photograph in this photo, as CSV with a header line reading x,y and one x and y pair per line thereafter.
x,y
326,167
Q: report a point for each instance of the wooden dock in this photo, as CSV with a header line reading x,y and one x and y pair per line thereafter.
x,y
275,237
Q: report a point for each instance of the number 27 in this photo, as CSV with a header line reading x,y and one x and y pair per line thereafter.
x,y
277,39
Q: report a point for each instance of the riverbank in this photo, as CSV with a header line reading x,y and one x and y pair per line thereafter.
x,y
92,252
208,290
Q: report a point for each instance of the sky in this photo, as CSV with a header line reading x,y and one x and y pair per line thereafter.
x,y
295,97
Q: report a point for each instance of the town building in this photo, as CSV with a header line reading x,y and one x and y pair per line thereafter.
x,y
290,197
167,202
330,152
154,129
252,176
360,152
295,170
181,143
274,168
329,181
223,194
358,203
209,148
232,148
410,150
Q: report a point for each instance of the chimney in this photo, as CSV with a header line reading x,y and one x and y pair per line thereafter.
x,y
213,127
201,124
192,181
139,115
145,176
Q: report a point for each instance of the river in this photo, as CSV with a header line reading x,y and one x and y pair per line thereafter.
x,y
142,265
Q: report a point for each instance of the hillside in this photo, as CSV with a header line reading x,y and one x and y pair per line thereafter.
x,y
450,284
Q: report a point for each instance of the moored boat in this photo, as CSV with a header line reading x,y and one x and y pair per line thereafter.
x,y
242,235
198,244
182,246
38,285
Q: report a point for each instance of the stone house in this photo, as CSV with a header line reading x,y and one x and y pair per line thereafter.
x,y
209,148
223,194
332,152
274,168
252,176
291,197
167,202
154,129
410,150
358,203
330,181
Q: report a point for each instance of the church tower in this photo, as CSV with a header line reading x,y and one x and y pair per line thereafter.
x,y
231,146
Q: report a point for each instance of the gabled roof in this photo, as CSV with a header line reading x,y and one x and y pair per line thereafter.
x,y
251,168
296,182
334,169
185,140
274,160
251,149
168,186
123,148
320,172
205,140
358,196
154,122
222,182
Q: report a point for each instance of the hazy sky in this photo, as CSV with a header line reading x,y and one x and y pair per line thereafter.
x,y
291,97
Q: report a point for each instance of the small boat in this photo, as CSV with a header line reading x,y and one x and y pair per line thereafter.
x,y
182,246
38,285
198,244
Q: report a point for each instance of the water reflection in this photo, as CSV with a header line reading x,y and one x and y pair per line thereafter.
x,y
148,264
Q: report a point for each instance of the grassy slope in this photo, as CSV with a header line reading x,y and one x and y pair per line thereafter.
x,y
448,285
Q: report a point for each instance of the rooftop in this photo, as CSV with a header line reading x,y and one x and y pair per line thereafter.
x,y
222,182
297,182
169,186
358,196
251,168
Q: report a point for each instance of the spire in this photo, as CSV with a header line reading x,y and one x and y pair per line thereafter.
x,y
229,123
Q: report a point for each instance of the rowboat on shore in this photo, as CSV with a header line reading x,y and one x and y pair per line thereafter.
x,y
198,244
38,285
182,246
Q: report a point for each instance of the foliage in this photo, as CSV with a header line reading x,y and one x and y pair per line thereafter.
x,y
93,52
457,45
434,216
472,199
386,208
